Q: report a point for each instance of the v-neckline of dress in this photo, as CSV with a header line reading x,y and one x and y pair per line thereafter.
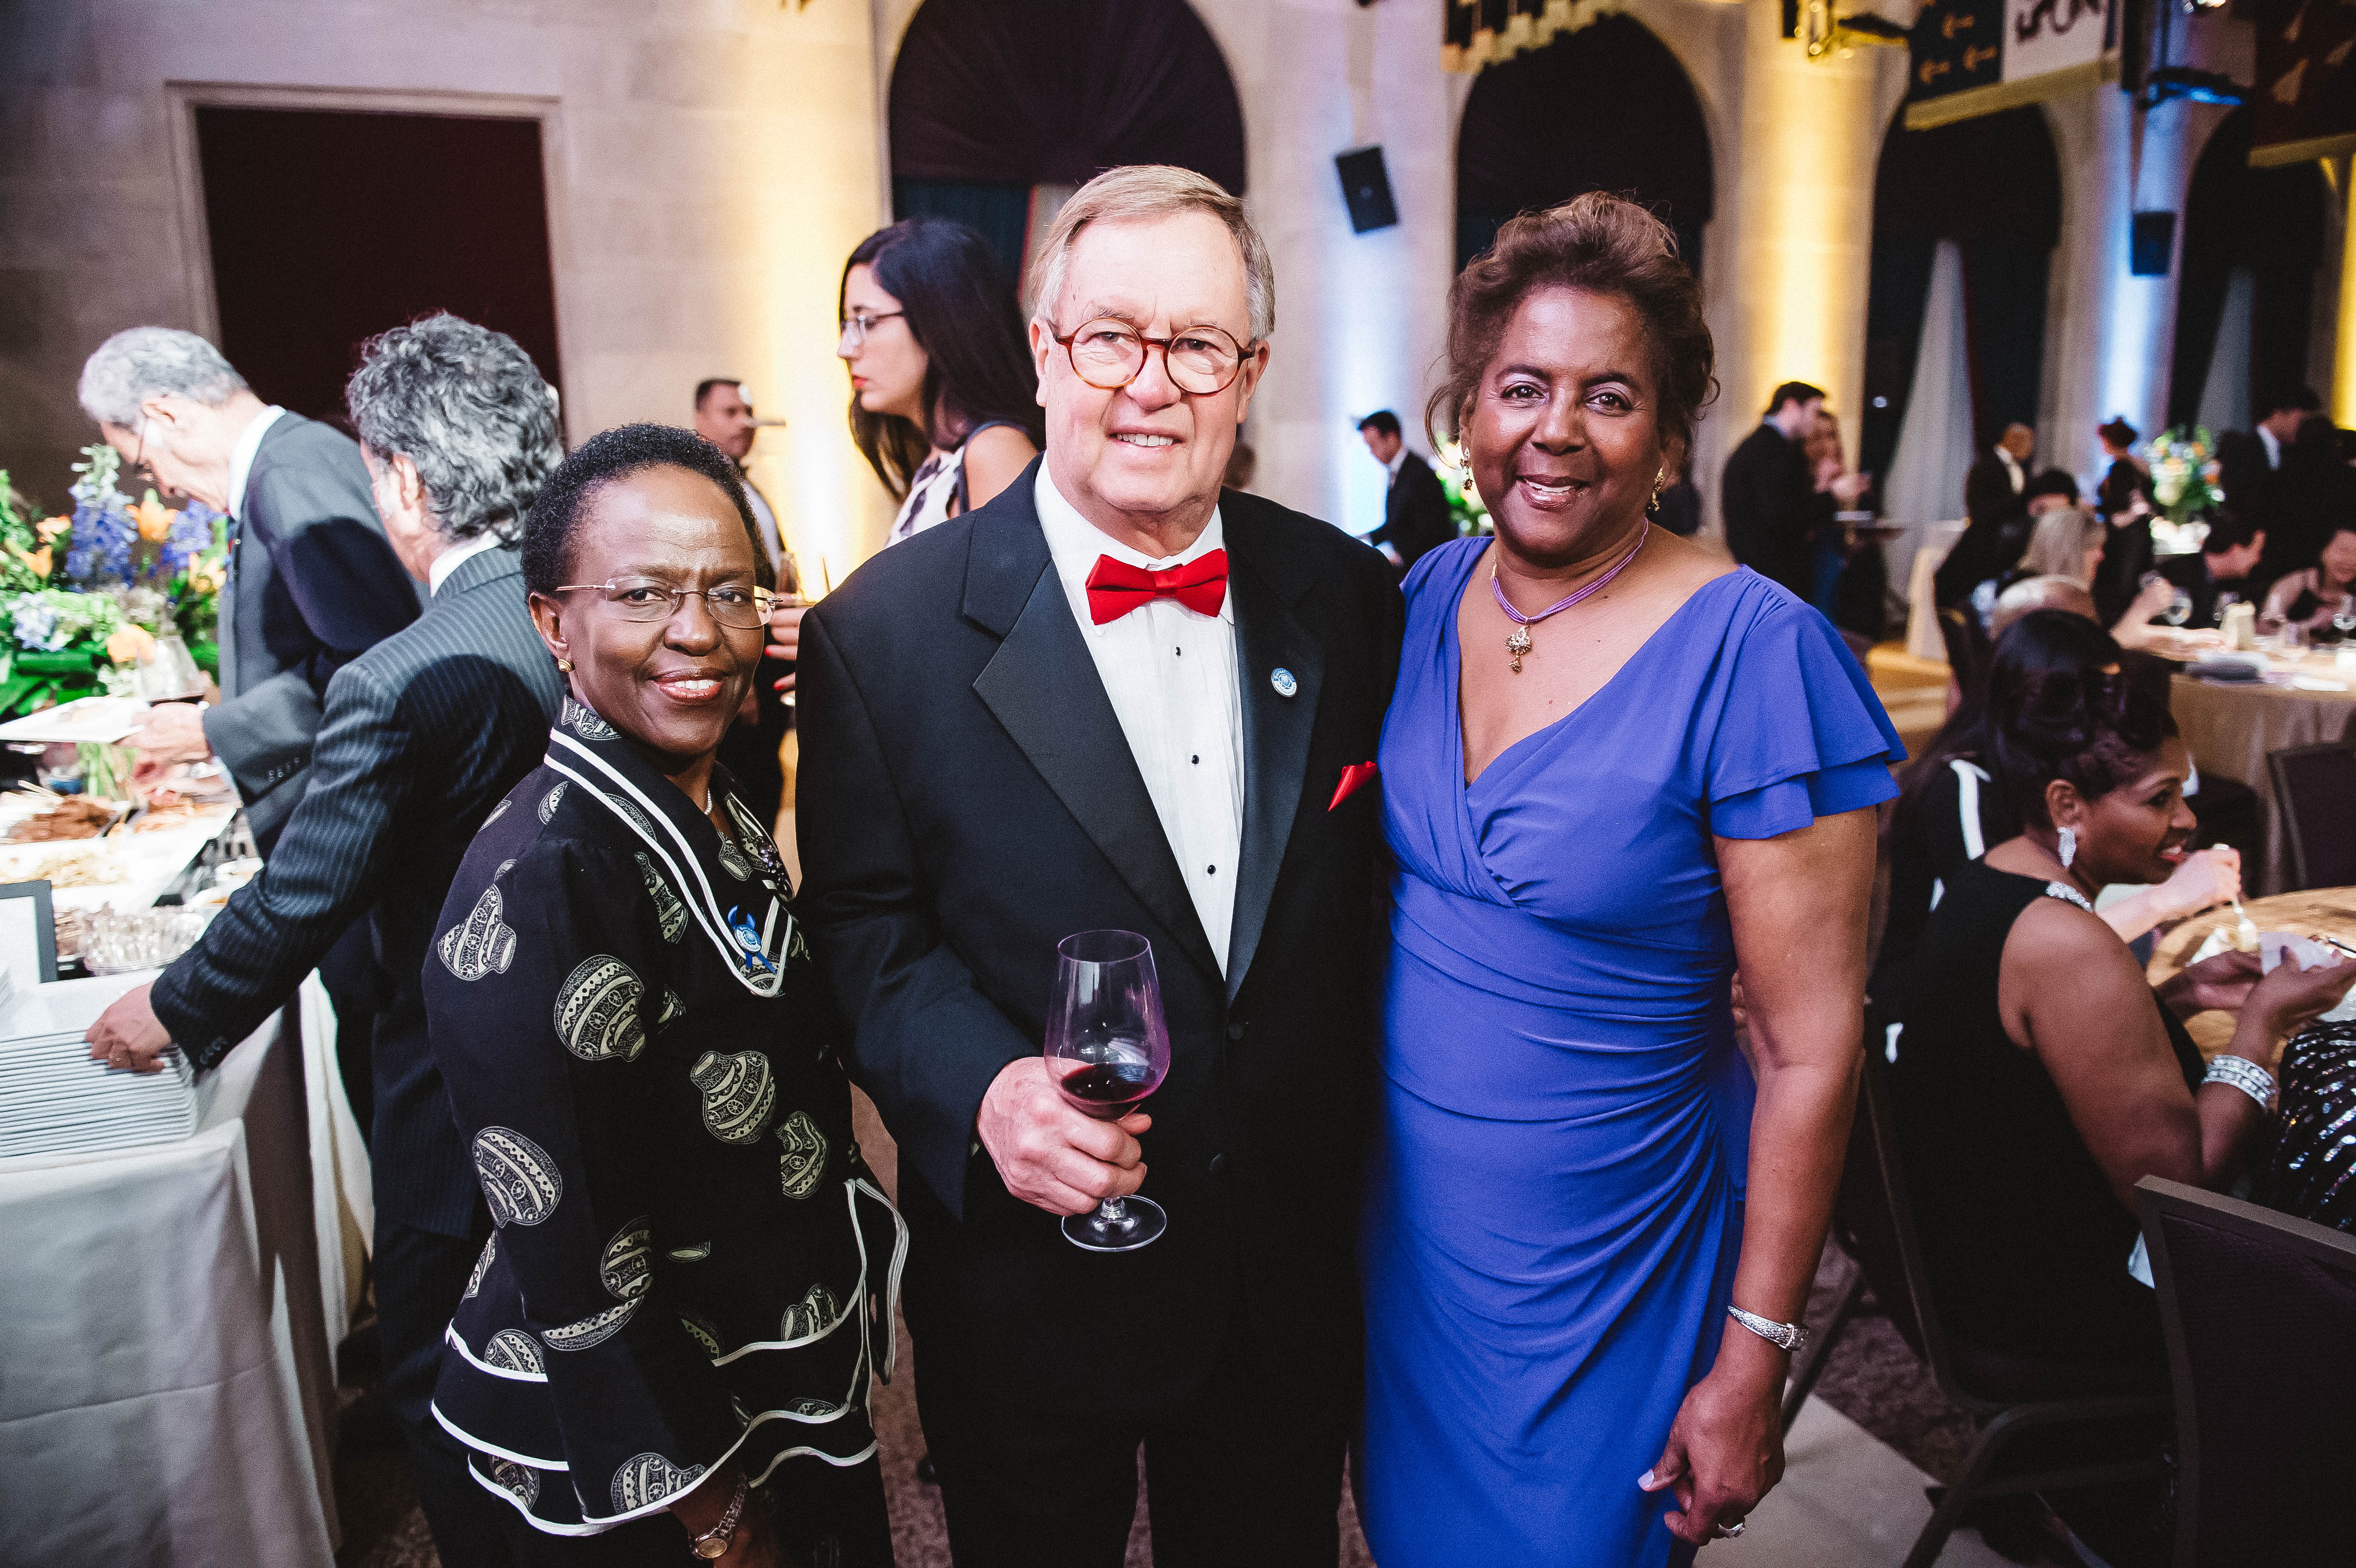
x,y
1455,683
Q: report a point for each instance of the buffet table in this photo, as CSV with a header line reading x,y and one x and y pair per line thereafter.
x,y
168,1321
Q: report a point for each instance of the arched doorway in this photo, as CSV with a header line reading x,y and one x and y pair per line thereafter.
x,y
1605,108
998,110
1990,186
2252,239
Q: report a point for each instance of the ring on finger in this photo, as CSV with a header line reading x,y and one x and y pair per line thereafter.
x,y
1729,1532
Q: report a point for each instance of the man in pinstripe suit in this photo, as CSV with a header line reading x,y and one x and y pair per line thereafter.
x,y
420,736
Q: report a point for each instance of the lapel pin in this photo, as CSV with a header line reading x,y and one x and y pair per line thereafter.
x,y
1284,682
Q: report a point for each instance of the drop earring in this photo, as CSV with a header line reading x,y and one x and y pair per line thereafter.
x,y
2069,847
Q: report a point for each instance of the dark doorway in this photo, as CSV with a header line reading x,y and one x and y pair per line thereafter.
x,y
1993,186
328,228
990,99
1605,108
2268,222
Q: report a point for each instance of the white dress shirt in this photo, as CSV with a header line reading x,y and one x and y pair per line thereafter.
x,y
2273,443
241,458
1170,673
2012,469
456,556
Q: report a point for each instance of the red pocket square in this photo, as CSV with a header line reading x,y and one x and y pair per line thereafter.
x,y
1354,778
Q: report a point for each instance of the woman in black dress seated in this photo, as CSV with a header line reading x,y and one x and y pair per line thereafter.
x,y
692,1277
2041,1077
1950,813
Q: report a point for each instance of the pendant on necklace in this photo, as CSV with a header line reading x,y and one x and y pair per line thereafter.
x,y
1517,643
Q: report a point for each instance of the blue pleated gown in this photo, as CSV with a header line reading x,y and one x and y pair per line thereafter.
x,y
1555,1196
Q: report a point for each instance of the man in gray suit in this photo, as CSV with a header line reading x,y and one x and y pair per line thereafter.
x,y
422,735
312,584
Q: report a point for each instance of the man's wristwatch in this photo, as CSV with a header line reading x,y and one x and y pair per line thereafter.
x,y
1791,1337
713,1543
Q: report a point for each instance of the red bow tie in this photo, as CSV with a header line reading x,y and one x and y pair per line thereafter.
x,y
1115,588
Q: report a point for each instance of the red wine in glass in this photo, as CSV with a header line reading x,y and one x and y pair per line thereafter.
x,y
1108,1048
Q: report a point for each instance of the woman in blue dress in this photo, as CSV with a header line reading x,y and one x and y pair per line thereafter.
x,y
1615,772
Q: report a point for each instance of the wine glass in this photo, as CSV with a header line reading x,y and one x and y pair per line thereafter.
x,y
2179,609
2343,620
1108,1048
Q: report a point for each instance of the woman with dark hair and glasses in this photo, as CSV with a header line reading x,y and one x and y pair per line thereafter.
x,y
691,1274
942,399
2040,1077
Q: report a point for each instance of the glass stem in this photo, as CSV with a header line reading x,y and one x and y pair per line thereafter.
x,y
1112,1210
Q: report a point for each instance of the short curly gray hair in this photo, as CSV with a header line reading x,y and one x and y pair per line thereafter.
x,y
1138,191
142,362
468,408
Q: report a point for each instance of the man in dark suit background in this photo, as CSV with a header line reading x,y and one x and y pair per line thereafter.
x,y
1773,511
312,584
422,735
751,751
1416,517
1114,698
2224,565
2285,477
1996,499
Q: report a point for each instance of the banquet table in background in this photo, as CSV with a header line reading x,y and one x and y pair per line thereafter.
x,y
169,1320
2319,911
2229,727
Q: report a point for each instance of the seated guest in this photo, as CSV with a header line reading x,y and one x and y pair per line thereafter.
x,y
2219,574
2312,1171
1948,812
680,1302
2059,593
944,401
2312,596
2041,1077
2064,541
420,736
2051,489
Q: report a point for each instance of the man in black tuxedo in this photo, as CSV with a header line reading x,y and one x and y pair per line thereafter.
x,y
1416,517
312,584
421,736
1996,499
1773,509
1116,698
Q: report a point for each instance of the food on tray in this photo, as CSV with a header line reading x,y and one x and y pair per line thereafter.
x,y
74,816
78,865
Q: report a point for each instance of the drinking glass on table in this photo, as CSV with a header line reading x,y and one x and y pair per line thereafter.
x,y
2226,600
1108,1048
2343,620
2180,606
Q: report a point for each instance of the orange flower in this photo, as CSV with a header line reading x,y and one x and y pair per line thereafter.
x,y
154,519
130,645
51,528
37,560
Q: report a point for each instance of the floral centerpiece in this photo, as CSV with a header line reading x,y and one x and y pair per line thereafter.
x,y
90,597
2184,469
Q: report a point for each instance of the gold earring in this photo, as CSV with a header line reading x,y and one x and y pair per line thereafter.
x,y
564,664
1660,482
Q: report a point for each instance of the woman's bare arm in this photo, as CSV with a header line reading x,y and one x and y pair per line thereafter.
x,y
1798,907
993,460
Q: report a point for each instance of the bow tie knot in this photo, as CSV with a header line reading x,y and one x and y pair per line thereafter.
x,y
1115,587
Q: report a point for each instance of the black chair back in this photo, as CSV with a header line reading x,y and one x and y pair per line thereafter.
x,y
2260,1310
1969,651
2315,790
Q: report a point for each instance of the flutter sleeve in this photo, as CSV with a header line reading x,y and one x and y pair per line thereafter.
x,y
543,1003
1800,733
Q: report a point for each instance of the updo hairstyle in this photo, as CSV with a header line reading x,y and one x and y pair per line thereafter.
x,y
2097,723
1604,244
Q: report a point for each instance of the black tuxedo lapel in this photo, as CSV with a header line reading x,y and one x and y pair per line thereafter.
x,y
1277,728
1043,687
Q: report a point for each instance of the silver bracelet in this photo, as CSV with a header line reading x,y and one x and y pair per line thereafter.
x,y
1791,1337
2247,1076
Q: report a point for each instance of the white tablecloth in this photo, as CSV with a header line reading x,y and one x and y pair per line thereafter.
x,y
166,1377
1924,546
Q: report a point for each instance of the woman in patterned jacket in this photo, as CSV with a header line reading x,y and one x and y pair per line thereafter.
x,y
691,1275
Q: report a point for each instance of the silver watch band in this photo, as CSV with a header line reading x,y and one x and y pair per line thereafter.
x,y
1791,1337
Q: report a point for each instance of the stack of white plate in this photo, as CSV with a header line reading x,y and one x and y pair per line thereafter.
x,y
55,1100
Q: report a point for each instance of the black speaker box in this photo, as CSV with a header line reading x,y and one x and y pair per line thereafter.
x,y
1366,187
